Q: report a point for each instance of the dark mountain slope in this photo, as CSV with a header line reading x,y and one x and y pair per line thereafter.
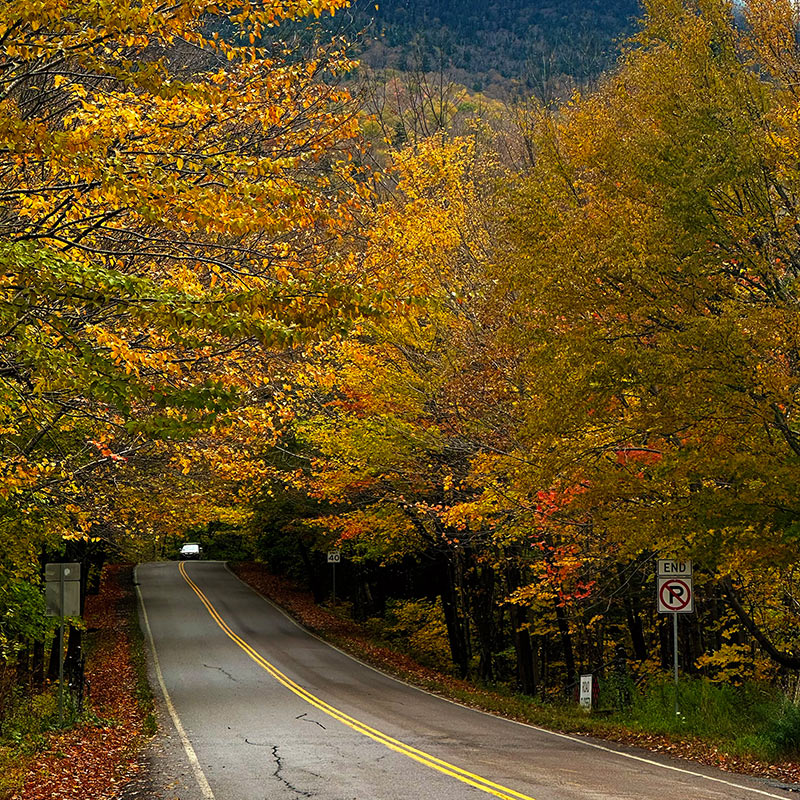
x,y
525,41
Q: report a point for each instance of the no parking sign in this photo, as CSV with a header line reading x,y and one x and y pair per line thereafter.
x,y
675,596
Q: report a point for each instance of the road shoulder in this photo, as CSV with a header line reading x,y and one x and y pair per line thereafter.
x,y
352,639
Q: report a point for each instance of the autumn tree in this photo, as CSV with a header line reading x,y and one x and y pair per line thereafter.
x,y
613,379
654,253
387,409
177,188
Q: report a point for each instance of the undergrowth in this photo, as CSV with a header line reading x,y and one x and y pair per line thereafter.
x,y
749,720
104,733
24,726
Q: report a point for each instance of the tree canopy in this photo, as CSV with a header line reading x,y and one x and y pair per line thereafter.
x,y
177,190
504,372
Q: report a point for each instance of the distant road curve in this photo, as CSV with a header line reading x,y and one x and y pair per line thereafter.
x,y
264,710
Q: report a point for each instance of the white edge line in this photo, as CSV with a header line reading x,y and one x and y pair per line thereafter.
x,y
199,775
505,719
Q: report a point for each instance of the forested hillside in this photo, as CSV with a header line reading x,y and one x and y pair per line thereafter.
x,y
505,47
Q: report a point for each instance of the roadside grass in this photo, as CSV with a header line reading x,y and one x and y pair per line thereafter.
x,y
751,720
750,728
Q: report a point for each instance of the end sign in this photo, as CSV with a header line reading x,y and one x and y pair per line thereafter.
x,y
670,568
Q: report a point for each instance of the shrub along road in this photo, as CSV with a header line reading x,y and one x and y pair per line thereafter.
x,y
262,708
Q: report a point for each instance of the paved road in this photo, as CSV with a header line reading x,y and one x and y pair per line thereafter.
x,y
259,709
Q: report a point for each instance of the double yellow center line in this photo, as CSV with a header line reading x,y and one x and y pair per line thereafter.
x,y
393,744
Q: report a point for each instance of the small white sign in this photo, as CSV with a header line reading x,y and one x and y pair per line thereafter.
x,y
334,556
585,699
675,595
71,593
671,568
70,571
63,581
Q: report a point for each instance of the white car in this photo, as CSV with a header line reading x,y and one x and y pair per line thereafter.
x,y
190,550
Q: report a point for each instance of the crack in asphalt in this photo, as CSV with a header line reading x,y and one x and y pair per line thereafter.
x,y
223,671
277,774
302,717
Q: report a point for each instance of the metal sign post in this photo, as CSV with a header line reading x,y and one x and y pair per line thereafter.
x,y
675,659
674,595
334,557
63,598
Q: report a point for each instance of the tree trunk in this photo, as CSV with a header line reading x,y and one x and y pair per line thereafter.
x,y
456,633
527,665
526,660
566,645
634,620
544,649
364,605
312,575
480,583
787,660
72,658
37,667
23,670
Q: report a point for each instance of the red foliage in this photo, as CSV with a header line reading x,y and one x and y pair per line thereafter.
x,y
553,500
638,455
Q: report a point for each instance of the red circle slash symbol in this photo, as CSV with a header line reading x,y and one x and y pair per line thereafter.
x,y
675,594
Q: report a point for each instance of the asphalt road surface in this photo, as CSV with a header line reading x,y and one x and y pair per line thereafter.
x,y
256,708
